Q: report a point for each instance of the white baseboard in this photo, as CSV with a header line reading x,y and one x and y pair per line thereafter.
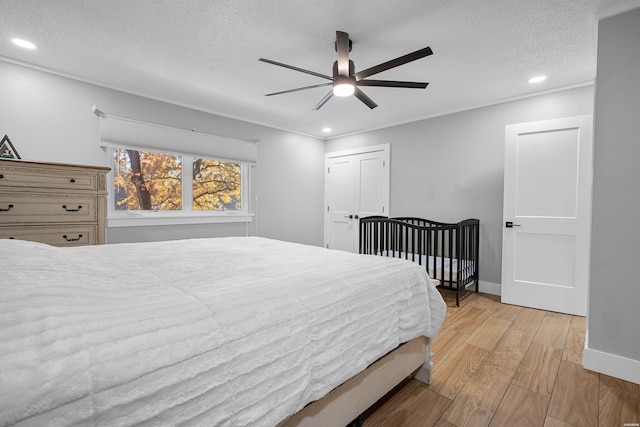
x,y
490,288
610,364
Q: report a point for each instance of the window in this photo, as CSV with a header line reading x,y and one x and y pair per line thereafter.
x,y
154,186
164,175
144,180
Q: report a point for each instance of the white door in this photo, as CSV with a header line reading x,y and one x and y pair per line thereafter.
x,y
547,214
356,185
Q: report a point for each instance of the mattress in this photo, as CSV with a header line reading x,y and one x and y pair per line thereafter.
x,y
217,332
439,268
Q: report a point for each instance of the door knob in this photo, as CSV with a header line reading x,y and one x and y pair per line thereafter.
x,y
510,224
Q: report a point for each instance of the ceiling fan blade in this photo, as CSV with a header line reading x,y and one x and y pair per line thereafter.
x,y
323,100
394,63
291,67
364,98
391,83
342,47
300,88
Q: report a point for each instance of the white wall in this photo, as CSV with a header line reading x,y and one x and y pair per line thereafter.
x,y
49,118
450,168
613,344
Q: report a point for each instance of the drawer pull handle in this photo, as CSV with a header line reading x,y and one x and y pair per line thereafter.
x,y
71,209
7,209
70,239
72,180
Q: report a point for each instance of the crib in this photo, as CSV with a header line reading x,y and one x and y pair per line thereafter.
x,y
449,252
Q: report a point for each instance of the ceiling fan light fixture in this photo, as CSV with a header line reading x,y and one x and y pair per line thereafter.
x,y
343,86
344,89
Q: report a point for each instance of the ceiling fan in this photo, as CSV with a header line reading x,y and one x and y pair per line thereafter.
x,y
345,81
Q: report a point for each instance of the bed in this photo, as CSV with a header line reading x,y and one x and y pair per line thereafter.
x,y
231,331
448,252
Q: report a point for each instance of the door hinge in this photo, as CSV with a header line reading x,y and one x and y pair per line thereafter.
x,y
384,163
328,170
327,208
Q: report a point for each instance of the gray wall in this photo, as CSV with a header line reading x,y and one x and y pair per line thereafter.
x,y
49,118
450,168
614,304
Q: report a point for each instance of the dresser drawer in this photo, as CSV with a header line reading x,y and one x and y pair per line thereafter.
x,y
43,178
25,208
64,235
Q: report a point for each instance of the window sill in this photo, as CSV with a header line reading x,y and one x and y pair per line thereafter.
x,y
142,219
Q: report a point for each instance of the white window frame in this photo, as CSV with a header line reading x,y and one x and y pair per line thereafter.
x,y
186,215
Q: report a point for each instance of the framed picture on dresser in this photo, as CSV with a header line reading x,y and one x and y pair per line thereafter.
x,y
7,150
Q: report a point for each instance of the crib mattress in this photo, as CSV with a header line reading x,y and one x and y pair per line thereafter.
x,y
216,332
439,268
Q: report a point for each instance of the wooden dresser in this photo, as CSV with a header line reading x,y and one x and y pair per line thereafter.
x,y
54,203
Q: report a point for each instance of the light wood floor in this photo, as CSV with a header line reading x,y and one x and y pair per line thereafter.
x,y
504,365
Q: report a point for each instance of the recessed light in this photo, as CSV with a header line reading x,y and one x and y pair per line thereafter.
x,y
537,79
326,130
23,43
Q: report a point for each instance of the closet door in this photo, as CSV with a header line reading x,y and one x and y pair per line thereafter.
x,y
547,214
356,185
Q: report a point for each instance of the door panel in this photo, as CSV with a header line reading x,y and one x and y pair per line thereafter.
x,y
371,185
340,199
545,259
547,198
547,178
357,185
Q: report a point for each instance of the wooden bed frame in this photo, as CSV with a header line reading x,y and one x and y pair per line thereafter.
x,y
346,402
453,248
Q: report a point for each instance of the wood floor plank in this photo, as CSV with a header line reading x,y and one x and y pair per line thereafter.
x,y
621,384
499,310
486,301
507,312
489,333
447,341
422,408
552,422
385,406
574,345
538,370
619,404
472,318
575,396
528,320
449,378
553,330
443,423
479,398
511,349
522,408
451,316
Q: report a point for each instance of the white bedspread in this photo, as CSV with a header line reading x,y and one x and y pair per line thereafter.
x,y
203,332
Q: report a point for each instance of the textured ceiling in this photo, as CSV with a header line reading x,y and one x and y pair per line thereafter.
x,y
204,53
